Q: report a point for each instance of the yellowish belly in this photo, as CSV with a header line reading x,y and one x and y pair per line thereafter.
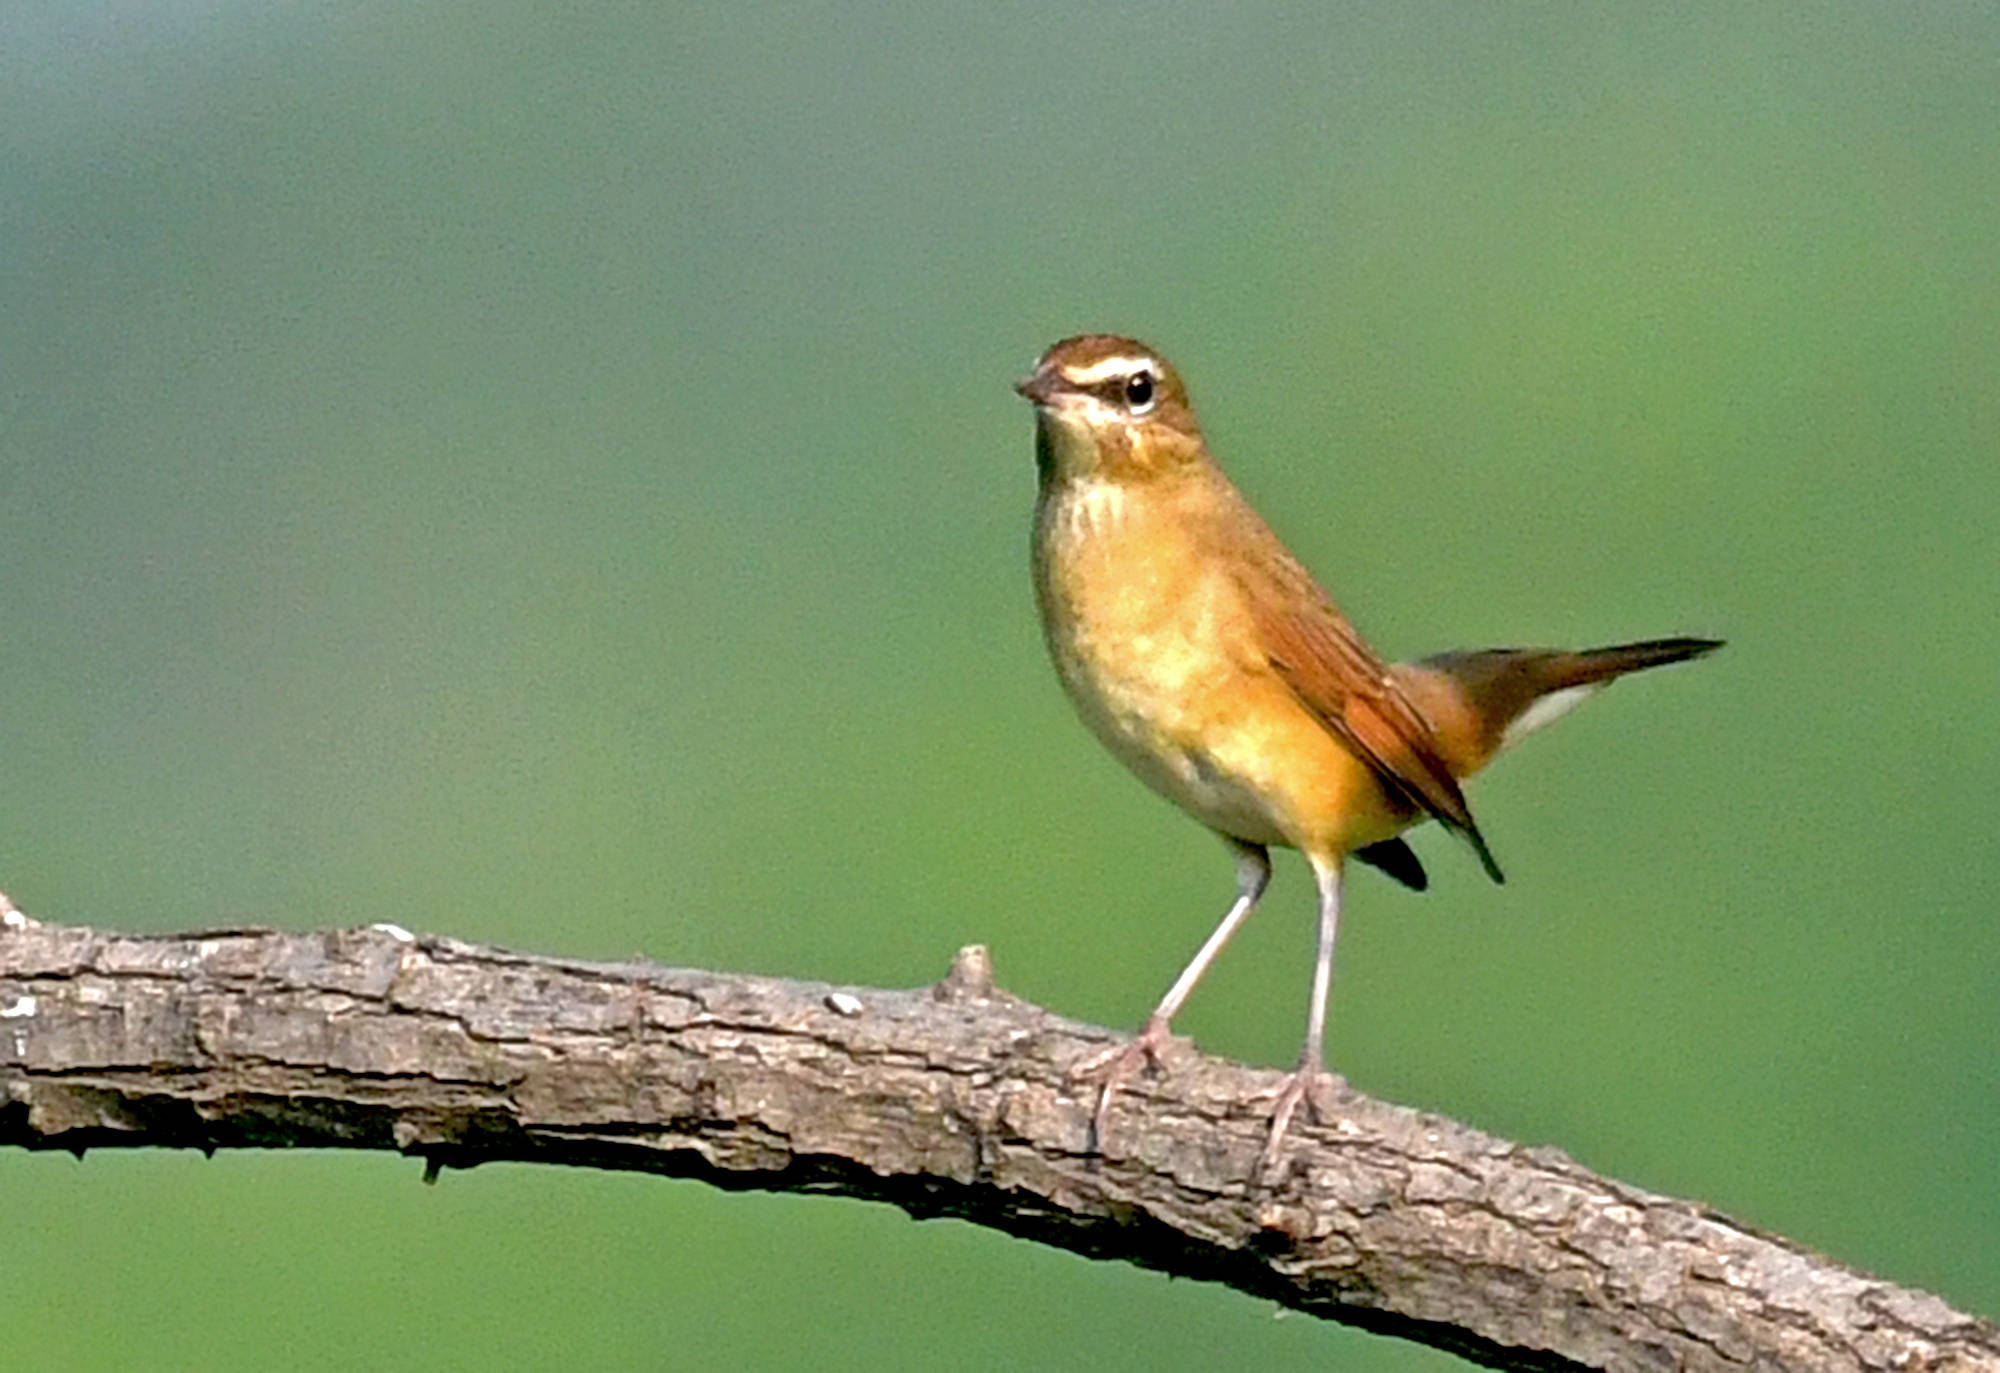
x,y
1149,651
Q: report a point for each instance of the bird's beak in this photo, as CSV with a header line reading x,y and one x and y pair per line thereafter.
x,y
1038,388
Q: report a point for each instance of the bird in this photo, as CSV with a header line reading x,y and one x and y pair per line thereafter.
x,y
1204,656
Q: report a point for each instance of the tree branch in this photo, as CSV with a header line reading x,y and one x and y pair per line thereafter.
x,y
948,1100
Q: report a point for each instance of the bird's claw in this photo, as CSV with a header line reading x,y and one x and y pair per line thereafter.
x,y
1306,1085
1112,1066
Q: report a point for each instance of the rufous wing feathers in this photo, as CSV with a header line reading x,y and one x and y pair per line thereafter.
x,y
1336,676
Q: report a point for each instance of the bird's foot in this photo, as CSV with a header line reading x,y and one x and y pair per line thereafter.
x,y
1309,1084
1112,1066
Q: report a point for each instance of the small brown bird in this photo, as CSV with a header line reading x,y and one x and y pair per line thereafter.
x,y
1203,654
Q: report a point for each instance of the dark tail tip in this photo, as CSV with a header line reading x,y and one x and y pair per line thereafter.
x,y
1657,652
1687,647
1615,660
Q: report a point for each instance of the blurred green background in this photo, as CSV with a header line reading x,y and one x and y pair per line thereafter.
x,y
551,478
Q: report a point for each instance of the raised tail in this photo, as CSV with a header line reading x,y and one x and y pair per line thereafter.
x,y
1482,701
1584,666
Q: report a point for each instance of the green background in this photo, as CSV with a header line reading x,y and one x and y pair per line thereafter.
x,y
551,478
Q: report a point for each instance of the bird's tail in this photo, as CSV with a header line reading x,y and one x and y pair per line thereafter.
x,y
1482,701
1588,666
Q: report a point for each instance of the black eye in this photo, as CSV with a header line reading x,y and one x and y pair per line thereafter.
x,y
1139,390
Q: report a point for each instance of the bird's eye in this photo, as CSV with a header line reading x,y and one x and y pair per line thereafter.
x,y
1139,391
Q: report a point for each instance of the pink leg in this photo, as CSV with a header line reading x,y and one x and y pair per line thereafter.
x,y
1311,1072
1253,874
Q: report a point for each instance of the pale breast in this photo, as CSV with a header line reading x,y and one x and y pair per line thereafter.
x,y
1139,628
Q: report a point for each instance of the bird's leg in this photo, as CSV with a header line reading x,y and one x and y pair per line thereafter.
x,y
1311,1072
1114,1065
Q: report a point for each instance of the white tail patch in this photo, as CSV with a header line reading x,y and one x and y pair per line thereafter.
x,y
1547,710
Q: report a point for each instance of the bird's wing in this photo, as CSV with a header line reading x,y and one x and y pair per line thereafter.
x,y
1336,676
1398,860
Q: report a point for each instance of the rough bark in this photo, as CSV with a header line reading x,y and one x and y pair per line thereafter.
x,y
946,1100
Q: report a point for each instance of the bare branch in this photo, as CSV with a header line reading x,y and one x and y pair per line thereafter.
x,y
949,1100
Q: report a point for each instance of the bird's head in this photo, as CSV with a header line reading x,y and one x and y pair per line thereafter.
x,y
1109,407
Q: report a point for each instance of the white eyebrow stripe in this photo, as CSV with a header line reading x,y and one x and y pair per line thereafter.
x,y
1117,366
